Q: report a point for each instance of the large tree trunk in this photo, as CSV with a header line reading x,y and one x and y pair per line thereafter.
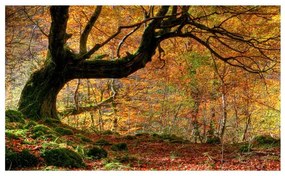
x,y
38,98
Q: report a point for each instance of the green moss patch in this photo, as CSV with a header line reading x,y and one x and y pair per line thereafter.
x,y
125,159
14,116
245,148
119,147
265,140
97,153
63,131
42,131
114,166
22,159
16,133
30,124
63,157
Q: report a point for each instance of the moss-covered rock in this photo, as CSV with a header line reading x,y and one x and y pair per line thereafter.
x,y
14,116
63,157
63,131
119,147
102,142
97,153
22,159
264,140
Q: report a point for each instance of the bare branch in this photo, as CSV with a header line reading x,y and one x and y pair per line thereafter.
x,y
123,40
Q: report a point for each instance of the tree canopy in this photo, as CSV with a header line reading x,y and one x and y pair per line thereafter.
x,y
192,44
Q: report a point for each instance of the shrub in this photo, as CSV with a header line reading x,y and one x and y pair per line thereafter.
x,y
102,142
23,159
63,157
63,131
14,116
119,147
97,153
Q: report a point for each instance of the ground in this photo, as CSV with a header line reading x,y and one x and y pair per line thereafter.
x,y
141,152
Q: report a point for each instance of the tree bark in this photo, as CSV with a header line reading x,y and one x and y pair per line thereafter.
x,y
38,98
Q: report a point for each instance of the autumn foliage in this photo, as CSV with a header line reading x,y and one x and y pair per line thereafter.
x,y
150,82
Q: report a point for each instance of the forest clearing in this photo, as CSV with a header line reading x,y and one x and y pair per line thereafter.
x,y
142,88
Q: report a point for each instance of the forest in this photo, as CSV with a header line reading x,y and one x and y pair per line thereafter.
x,y
142,88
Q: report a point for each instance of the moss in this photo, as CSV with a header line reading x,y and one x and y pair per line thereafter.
x,y
97,153
213,140
119,147
42,131
52,122
30,124
265,140
14,116
63,131
114,166
83,138
63,157
125,159
11,135
102,142
16,133
245,148
22,159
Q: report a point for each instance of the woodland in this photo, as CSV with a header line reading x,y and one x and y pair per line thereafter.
x,y
142,88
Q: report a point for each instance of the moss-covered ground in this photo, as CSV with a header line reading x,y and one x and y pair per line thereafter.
x,y
34,145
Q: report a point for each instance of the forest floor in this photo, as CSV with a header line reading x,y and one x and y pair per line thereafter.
x,y
142,151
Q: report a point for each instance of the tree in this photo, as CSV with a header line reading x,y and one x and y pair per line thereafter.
x,y
237,35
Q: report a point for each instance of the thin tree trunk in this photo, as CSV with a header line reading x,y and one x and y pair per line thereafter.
x,y
224,116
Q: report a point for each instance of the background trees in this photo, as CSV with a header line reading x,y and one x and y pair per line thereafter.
x,y
185,88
